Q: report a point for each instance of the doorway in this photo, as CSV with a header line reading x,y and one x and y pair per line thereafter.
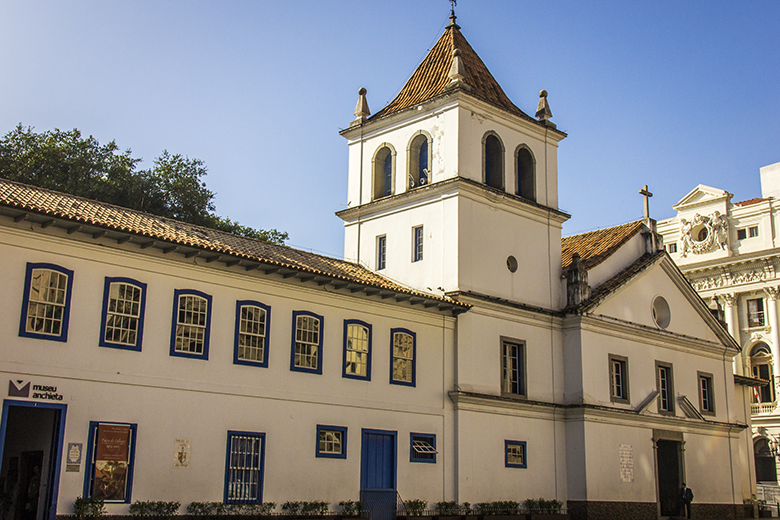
x,y
31,436
378,473
670,475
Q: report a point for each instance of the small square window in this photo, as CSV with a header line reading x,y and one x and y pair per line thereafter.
x,y
422,448
515,454
672,248
331,442
381,252
417,244
755,311
306,355
191,324
46,302
706,394
124,301
253,321
741,234
752,231
618,375
665,388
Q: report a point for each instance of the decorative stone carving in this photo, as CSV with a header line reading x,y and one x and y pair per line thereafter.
x,y
729,299
772,292
726,279
703,234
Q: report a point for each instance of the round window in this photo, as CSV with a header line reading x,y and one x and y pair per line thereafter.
x,y
511,263
700,233
662,315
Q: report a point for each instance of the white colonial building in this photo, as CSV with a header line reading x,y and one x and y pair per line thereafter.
x,y
463,352
730,253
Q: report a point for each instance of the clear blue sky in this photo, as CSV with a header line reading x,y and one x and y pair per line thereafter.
x,y
665,93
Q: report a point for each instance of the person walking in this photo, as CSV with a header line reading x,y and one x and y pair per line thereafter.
x,y
686,496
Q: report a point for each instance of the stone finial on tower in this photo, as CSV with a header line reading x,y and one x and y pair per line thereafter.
x,y
361,109
543,112
457,75
577,288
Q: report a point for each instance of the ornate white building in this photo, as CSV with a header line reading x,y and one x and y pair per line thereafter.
x,y
730,252
463,352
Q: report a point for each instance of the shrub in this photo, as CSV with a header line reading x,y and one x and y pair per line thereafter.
x,y
543,506
415,507
88,508
448,508
484,508
506,507
157,509
465,508
292,508
315,507
350,508
220,509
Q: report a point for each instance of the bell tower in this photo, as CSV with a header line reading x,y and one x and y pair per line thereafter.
x,y
454,189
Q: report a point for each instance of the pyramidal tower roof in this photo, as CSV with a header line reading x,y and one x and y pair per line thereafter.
x,y
432,77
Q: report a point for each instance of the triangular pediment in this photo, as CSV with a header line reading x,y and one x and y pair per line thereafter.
x,y
702,194
631,295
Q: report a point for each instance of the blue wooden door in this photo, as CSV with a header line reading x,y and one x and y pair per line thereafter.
x,y
378,461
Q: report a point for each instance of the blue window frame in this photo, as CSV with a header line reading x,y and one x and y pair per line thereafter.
x,y
404,353
357,350
253,325
122,318
331,442
306,354
381,252
108,472
244,465
423,163
46,302
388,175
422,448
191,324
417,243
515,455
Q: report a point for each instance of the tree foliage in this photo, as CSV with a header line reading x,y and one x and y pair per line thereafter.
x,y
65,161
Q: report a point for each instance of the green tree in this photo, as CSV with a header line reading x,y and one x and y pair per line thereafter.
x,y
65,161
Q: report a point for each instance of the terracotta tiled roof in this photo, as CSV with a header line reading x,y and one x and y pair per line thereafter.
x,y
80,210
749,202
431,77
596,246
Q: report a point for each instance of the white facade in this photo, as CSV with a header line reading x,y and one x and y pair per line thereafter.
x,y
734,266
606,403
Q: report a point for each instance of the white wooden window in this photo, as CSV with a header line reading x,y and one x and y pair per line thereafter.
x,y
46,302
251,335
307,342
191,324
123,315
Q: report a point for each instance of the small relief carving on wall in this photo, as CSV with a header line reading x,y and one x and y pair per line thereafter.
x,y
703,234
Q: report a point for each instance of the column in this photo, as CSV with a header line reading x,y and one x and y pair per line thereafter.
x,y
773,293
732,323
